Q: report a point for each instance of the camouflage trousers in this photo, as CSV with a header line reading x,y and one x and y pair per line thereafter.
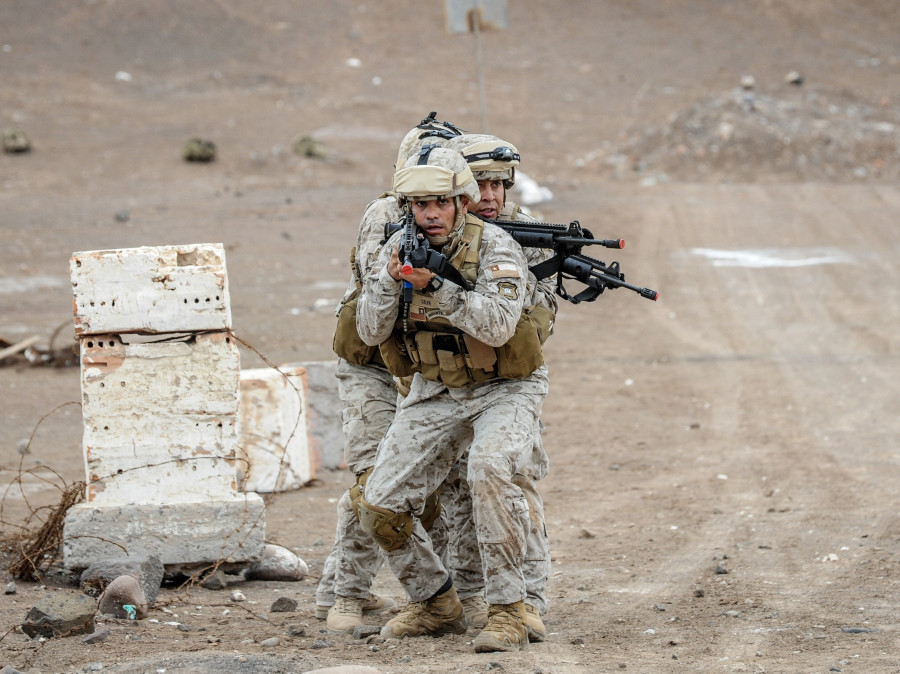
x,y
428,436
465,558
369,396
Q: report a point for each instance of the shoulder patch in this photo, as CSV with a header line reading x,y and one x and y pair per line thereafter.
x,y
508,290
504,270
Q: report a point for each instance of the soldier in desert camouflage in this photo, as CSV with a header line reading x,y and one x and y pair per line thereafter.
x,y
493,162
478,371
368,393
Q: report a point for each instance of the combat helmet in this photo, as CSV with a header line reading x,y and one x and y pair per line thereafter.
x,y
489,157
435,172
429,131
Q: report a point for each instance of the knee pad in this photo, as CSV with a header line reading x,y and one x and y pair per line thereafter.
x,y
357,490
389,529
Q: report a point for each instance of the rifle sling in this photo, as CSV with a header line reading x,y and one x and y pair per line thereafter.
x,y
548,267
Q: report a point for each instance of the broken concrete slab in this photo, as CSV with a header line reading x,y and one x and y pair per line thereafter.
x,y
151,290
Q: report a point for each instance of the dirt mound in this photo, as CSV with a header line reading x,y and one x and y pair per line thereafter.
x,y
741,136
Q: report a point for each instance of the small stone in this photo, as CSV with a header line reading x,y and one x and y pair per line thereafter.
x,y
585,533
659,607
277,563
10,588
60,614
284,605
215,581
96,636
297,630
494,665
365,631
699,592
794,78
122,216
577,641
183,628
238,596
213,640
148,571
271,642
94,667
15,141
307,146
733,614
320,643
199,150
124,598
721,570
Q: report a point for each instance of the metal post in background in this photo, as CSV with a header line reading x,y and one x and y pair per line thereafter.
x,y
476,16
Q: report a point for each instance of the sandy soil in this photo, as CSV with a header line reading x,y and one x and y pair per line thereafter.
x,y
747,422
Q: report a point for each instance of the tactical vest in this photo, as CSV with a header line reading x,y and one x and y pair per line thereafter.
x,y
444,353
347,343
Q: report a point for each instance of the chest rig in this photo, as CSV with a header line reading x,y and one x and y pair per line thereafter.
x,y
441,352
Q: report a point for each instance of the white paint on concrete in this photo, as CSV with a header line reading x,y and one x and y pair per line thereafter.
x,y
151,290
273,430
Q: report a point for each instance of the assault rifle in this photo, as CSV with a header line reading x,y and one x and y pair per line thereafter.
x,y
568,262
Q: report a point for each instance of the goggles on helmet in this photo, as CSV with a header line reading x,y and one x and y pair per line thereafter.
x,y
502,153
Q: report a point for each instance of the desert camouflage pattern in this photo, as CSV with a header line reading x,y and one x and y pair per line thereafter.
x,y
465,558
486,169
369,397
429,435
430,133
489,313
378,213
445,173
433,424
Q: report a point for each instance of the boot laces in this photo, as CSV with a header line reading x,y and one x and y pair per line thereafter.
x,y
349,606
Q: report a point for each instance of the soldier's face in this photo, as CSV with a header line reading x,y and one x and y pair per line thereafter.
x,y
493,196
435,216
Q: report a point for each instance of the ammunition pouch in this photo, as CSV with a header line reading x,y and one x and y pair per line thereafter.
x,y
457,359
347,343
389,529
543,320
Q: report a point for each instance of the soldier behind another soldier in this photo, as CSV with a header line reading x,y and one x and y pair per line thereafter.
x,y
478,369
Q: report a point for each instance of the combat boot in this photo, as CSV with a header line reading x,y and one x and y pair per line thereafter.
x,y
476,611
534,624
505,629
438,615
374,604
345,615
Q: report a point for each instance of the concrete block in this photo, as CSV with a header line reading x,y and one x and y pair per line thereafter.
x,y
160,418
151,290
227,529
273,434
324,414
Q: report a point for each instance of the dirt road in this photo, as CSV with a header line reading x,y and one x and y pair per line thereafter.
x,y
725,483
